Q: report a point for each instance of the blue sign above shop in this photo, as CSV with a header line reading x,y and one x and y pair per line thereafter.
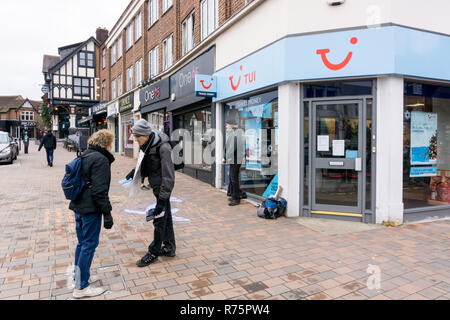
x,y
352,53
205,85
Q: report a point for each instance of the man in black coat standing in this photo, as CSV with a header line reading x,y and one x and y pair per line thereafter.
x,y
157,165
49,143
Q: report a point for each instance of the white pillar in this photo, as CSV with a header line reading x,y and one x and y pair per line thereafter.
x,y
219,144
289,146
72,121
389,177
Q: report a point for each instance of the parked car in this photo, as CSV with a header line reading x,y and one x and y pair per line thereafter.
x,y
8,149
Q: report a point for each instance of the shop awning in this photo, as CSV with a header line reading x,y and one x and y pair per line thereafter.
x,y
155,106
112,116
87,119
184,101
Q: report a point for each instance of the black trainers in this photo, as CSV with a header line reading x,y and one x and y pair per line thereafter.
x,y
147,260
166,252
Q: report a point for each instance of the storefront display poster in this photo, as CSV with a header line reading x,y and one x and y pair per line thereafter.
x,y
253,144
351,154
338,148
423,172
423,138
323,143
259,111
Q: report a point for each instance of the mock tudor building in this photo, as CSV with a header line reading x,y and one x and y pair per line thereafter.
x,y
71,81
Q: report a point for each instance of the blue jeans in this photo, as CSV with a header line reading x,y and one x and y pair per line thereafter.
x,y
88,228
49,155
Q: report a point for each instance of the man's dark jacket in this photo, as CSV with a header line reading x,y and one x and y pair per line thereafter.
x,y
159,168
48,141
96,168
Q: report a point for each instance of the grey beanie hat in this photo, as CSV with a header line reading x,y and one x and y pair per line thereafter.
x,y
142,128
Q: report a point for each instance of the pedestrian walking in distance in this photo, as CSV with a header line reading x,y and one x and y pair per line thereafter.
x,y
89,207
26,142
157,165
234,156
49,143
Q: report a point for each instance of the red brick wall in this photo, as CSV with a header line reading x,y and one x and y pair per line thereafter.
x,y
167,23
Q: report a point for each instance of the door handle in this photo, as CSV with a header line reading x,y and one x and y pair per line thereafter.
x,y
358,164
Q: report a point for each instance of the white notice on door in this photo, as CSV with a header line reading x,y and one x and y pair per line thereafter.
x,y
323,143
338,148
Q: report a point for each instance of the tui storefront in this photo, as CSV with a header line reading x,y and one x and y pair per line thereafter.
x,y
365,139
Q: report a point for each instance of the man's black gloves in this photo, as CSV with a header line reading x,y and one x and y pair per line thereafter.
x,y
130,175
108,220
159,207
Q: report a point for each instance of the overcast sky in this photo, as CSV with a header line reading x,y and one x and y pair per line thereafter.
x,y
30,28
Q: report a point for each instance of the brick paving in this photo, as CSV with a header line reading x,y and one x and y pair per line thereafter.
x,y
222,253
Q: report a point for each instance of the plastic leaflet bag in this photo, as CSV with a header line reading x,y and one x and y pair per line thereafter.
x,y
134,185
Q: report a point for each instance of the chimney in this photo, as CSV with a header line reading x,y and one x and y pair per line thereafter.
x,y
101,35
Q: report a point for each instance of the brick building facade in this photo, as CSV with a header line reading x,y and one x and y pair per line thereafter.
x,y
150,44
18,115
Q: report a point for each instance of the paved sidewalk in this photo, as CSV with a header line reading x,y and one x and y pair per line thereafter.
x,y
222,252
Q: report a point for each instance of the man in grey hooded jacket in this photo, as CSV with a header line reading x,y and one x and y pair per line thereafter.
x,y
157,165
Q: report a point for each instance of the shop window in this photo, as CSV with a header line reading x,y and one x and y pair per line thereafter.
x,y
80,117
257,117
336,89
306,154
156,120
426,146
198,126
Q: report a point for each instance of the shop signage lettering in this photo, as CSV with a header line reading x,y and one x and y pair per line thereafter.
x,y
29,123
350,53
154,93
182,83
249,78
99,108
112,109
66,103
126,103
186,78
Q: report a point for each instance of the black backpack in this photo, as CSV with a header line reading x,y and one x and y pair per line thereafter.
x,y
180,154
272,208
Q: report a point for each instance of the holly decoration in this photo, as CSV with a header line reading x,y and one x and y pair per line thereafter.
x,y
432,150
